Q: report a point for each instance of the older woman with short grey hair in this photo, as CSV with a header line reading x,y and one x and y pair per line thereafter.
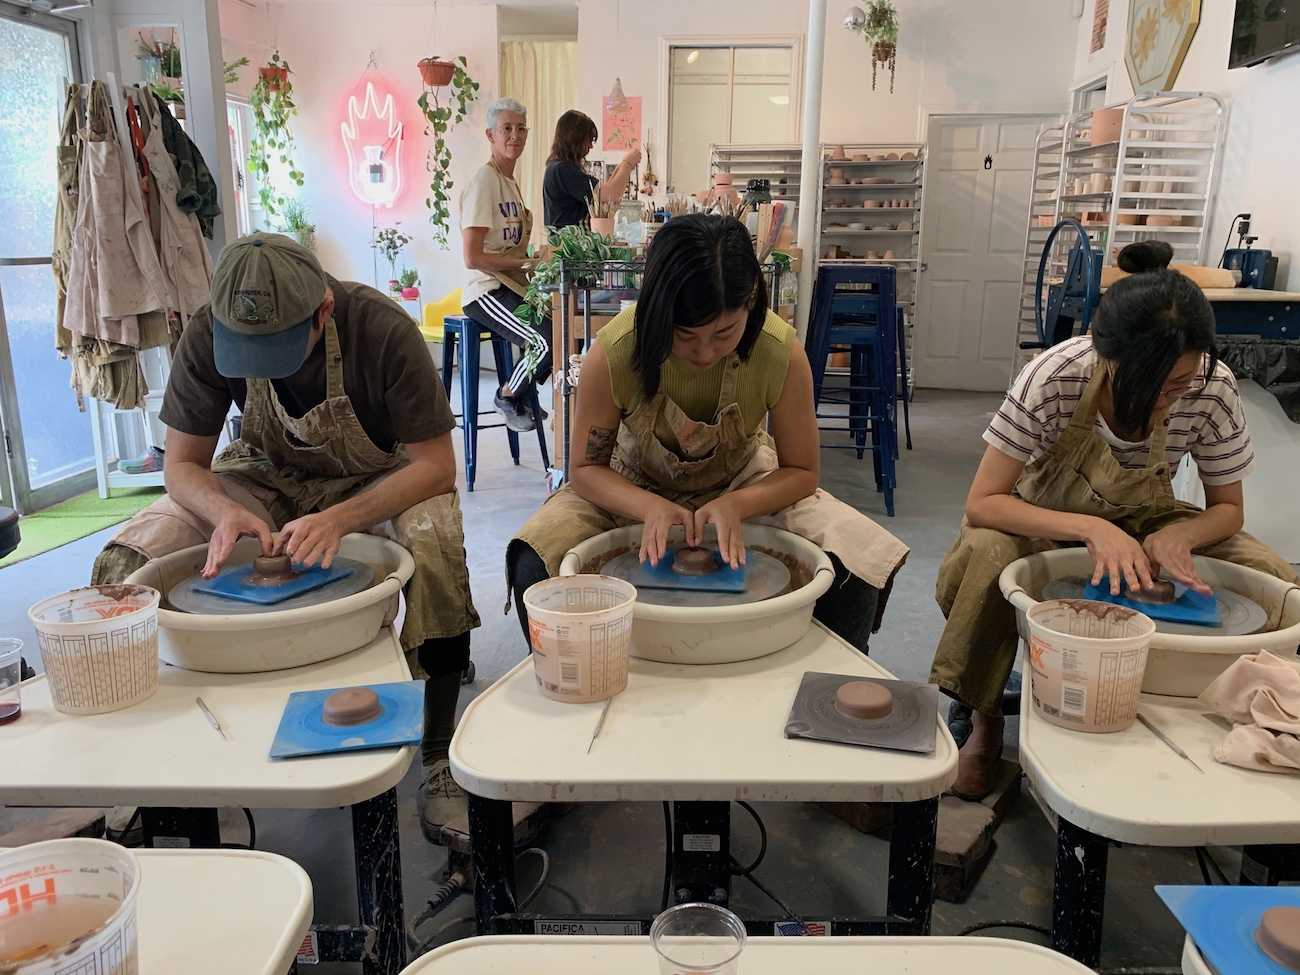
x,y
495,226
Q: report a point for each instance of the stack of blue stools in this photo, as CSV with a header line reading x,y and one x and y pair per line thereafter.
x,y
855,307
470,333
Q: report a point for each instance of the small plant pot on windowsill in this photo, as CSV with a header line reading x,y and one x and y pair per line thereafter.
x,y
395,286
603,225
274,76
410,294
435,72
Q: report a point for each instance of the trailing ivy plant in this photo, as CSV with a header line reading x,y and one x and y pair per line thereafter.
x,y
273,108
574,243
439,120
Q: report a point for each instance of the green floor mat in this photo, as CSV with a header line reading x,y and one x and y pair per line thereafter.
x,y
76,518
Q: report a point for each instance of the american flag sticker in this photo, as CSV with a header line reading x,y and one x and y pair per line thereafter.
x,y
796,929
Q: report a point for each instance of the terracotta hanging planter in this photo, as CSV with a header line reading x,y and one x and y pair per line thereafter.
x,y
274,76
436,73
883,53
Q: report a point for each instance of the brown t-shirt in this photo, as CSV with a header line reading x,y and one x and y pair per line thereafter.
x,y
387,373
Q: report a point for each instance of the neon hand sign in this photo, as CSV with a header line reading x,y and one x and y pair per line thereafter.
x,y
372,136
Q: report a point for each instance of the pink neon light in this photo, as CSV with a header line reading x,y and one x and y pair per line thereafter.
x,y
372,137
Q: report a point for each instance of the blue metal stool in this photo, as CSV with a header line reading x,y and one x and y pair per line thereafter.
x,y
470,333
865,318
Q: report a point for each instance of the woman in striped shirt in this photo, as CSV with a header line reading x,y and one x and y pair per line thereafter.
x,y
1081,452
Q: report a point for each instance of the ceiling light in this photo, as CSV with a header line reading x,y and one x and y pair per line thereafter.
x,y
693,57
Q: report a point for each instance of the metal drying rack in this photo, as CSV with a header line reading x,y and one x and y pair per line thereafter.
x,y
584,277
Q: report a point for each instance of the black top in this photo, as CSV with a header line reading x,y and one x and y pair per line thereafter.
x,y
388,374
565,191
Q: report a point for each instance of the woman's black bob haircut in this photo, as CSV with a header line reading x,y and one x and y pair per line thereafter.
x,y
698,267
1144,323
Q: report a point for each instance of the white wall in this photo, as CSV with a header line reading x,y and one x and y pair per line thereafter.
x,y
952,57
327,45
1263,142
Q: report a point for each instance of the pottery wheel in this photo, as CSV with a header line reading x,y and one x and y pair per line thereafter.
x,y
1240,616
765,577
184,598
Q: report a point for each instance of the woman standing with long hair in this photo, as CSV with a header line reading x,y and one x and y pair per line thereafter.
x,y
566,187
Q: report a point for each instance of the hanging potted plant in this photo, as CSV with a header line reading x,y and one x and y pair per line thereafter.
x,y
410,281
273,108
440,119
390,242
435,72
879,28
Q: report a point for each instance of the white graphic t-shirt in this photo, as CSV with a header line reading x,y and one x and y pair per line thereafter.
x,y
491,200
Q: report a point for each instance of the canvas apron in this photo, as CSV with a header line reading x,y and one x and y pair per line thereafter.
x,y
710,459
1078,474
283,467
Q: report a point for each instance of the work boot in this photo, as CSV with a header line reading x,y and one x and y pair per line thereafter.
x,y
441,801
977,761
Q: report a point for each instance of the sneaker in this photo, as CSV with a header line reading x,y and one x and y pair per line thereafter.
x,y
441,801
516,416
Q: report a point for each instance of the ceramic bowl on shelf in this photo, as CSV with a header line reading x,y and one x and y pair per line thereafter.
x,y
905,226
1163,220
877,180
878,157
837,153
857,226
908,157
891,157
872,204
889,256
861,157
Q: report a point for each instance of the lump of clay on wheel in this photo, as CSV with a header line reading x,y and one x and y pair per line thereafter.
x,y
271,570
1278,936
864,700
1161,593
695,561
352,705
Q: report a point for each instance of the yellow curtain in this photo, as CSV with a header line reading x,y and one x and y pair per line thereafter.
x,y
543,76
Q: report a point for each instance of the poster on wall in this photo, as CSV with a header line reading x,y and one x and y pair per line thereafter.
x,y
1159,35
621,121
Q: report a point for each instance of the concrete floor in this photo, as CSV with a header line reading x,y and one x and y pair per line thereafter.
x,y
610,857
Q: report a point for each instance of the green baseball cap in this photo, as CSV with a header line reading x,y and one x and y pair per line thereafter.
x,y
265,292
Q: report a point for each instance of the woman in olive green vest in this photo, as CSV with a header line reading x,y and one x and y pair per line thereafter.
x,y
674,407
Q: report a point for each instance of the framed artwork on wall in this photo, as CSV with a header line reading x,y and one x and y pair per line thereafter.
x,y
1159,35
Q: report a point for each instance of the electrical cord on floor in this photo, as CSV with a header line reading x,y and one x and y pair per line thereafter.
x,y
541,880
252,834
762,837
986,925
668,856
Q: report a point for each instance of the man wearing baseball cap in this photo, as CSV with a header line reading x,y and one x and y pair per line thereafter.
x,y
345,427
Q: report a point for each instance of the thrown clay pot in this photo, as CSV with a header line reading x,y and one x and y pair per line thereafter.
x,y
891,157
352,705
871,204
908,157
889,256
1162,593
271,570
1106,124
695,561
837,153
861,157
1278,936
864,700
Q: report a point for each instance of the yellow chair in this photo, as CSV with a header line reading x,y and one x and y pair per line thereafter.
x,y
436,312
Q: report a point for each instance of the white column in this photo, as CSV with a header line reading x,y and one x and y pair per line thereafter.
x,y
810,169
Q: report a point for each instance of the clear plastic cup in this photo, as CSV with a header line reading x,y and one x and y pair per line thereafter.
x,y
11,675
698,939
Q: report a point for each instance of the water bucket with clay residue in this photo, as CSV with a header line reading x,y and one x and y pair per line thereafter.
x,y
1087,659
581,631
69,906
99,645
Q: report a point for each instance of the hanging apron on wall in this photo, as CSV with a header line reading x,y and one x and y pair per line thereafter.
x,y
1080,475
710,460
283,467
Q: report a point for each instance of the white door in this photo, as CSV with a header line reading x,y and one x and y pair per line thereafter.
x,y
978,170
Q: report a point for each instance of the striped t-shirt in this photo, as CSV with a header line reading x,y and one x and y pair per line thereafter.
x,y
1206,421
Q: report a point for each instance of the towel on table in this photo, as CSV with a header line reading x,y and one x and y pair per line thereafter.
x,y
1260,695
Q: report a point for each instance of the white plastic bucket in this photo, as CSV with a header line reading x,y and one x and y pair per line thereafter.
x,y
69,906
100,646
581,631
1087,659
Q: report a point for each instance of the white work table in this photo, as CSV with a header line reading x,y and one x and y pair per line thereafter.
x,y
761,956
690,735
163,752
213,912
1130,787
163,756
682,732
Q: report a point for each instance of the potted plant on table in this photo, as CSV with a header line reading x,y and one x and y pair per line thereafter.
x,y
273,109
572,244
410,281
294,222
389,241
439,120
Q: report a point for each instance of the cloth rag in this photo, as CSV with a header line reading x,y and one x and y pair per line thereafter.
x,y
1260,695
